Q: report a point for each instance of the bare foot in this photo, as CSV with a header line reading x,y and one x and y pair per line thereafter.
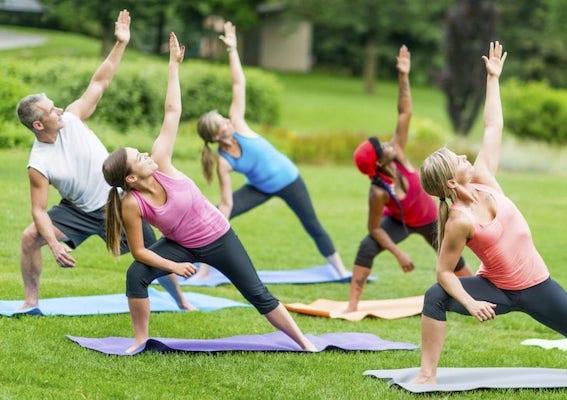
x,y
424,380
350,308
137,343
185,305
27,305
202,272
310,347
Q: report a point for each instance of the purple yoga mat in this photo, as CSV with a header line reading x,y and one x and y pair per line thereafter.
x,y
276,341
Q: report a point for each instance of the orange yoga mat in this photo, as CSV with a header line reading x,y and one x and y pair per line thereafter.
x,y
386,309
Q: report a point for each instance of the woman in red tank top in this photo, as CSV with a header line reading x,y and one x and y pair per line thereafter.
x,y
513,276
398,206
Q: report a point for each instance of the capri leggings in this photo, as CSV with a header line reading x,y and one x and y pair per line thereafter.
x,y
227,255
545,302
369,247
297,198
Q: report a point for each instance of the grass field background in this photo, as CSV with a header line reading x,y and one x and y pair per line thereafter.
x,y
38,362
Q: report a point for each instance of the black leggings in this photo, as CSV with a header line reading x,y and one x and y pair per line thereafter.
x,y
297,198
369,247
227,255
545,302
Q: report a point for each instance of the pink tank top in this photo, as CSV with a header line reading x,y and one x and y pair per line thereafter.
x,y
505,246
418,207
187,217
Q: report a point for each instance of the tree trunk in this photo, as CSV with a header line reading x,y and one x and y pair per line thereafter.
x,y
107,33
370,64
160,28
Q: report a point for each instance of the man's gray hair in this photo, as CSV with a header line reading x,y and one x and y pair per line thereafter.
x,y
27,110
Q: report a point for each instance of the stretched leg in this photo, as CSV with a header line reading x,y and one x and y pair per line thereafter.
x,y
140,276
31,263
297,198
429,233
229,256
247,198
140,313
546,303
437,302
367,250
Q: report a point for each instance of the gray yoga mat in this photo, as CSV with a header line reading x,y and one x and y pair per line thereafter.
x,y
461,379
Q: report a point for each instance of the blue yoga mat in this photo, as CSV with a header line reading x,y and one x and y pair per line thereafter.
x,y
113,304
319,274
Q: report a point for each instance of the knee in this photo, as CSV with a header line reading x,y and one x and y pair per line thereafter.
x,y
434,302
30,238
366,253
263,301
136,285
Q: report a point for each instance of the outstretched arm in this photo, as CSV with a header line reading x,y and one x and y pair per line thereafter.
x,y
86,104
404,98
162,149
238,105
486,163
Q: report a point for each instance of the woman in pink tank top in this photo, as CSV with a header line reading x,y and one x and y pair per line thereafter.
x,y
513,276
193,229
398,205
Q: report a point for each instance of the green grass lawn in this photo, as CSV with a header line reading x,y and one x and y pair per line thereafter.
x,y
38,362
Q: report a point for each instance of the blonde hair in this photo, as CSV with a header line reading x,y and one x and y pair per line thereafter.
x,y
436,170
207,127
115,169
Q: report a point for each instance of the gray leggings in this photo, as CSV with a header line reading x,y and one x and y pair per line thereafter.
x,y
227,255
545,302
297,198
369,247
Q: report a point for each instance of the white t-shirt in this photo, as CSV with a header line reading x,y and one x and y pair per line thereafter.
x,y
73,164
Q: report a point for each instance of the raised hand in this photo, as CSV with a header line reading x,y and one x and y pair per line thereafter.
x,y
122,27
229,37
495,60
176,52
403,60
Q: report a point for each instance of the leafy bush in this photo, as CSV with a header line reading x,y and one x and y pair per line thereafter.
x,y
137,92
13,134
12,90
424,138
536,111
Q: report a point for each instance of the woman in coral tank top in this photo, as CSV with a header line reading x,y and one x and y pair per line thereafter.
x,y
193,229
513,276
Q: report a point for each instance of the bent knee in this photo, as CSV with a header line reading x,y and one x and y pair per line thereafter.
x,y
31,238
434,302
136,284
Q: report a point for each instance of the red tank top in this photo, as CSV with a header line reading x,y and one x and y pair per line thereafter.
x,y
418,207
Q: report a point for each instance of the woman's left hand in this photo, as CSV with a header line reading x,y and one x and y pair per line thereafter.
x,y
495,60
176,52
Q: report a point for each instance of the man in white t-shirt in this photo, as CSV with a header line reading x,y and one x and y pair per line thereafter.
x,y
69,156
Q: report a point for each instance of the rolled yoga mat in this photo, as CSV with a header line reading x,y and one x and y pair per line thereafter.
x,y
462,379
318,274
560,344
276,341
113,304
386,309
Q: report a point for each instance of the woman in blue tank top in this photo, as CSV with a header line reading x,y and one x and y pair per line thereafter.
x,y
268,172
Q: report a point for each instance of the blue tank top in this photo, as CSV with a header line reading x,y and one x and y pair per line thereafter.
x,y
265,168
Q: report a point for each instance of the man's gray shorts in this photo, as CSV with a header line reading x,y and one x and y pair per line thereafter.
x,y
78,225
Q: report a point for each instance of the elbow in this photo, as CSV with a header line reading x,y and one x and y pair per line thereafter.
x,y
137,253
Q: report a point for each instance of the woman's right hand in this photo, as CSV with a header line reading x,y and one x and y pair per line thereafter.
x,y
229,37
495,60
184,269
481,310
405,262
176,52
